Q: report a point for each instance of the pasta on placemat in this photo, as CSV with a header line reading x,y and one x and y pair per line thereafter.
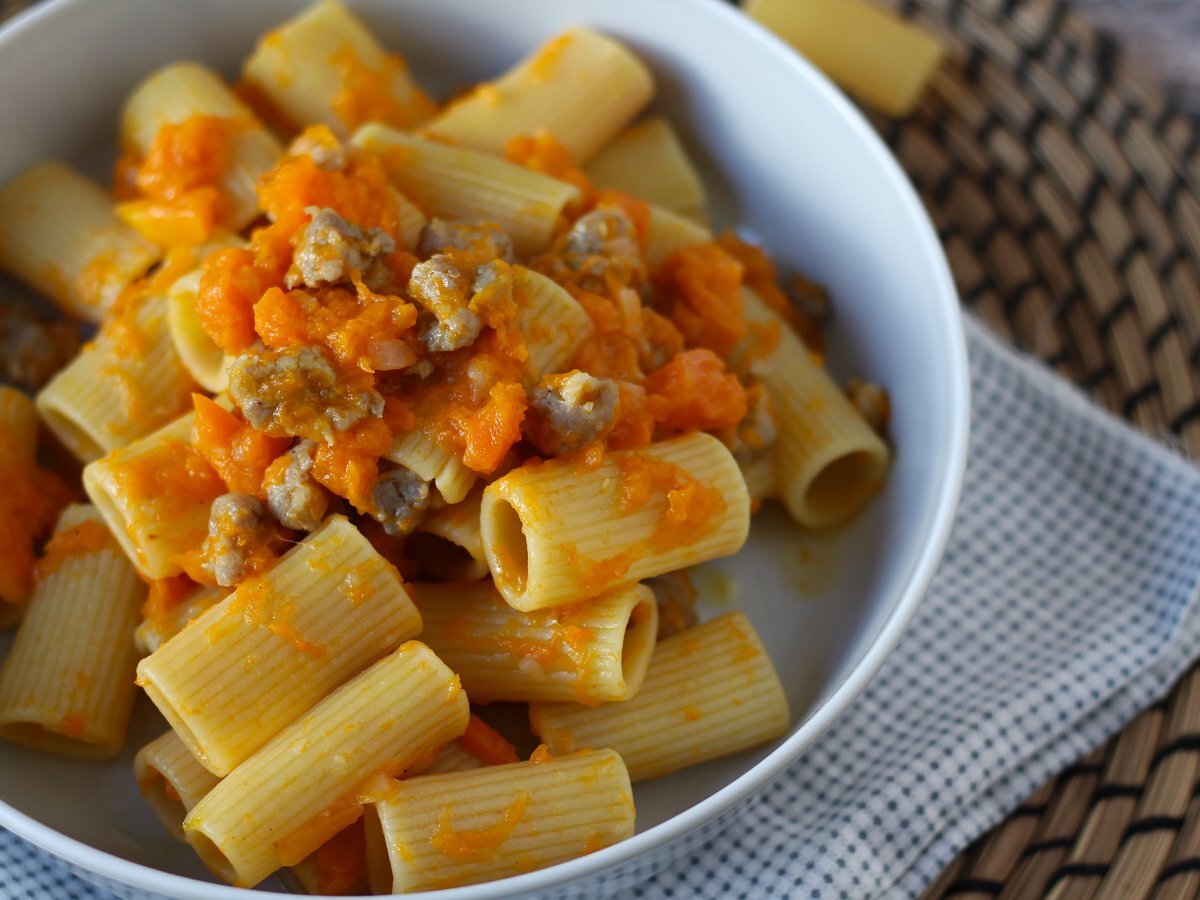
x,y
396,409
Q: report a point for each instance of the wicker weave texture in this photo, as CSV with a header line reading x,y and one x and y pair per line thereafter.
x,y
1063,187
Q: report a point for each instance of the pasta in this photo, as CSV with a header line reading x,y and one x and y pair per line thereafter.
x,y
449,541
590,652
709,691
190,105
466,827
198,353
828,460
325,66
313,778
580,88
648,161
674,504
159,478
59,234
122,386
460,184
18,428
328,609
171,780
669,232
160,625
476,375
886,65
67,686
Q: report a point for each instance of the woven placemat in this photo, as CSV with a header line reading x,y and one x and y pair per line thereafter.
x,y
1064,189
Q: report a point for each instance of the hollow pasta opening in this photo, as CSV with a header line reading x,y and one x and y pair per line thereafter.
x,y
72,434
640,635
210,854
509,551
176,721
842,487
444,559
164,801
113,512
204,360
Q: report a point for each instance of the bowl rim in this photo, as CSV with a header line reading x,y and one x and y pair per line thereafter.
x,y
139,876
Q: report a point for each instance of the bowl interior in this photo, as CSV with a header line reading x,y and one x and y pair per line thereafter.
x,y
784,162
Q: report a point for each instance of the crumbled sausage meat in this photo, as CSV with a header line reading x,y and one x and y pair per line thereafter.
x,y
32,349
757,430
323,146
602,244
296,499
330,249
676,597
444,291
239,536
297,392
399,499
871,401
484,242
574,410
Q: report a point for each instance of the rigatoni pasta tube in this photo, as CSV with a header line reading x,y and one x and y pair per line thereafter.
x,y
163,625
467,827
590,652
828,461
337,868
183,91
418,451
647,161
171,780
156,495
669,231
67,686
18,428
279,643
453,758
552,323
759,475
409,220
557,532
305,785
472,187
59,235
710,691
325,66
123,385
448,543
871,52
581,88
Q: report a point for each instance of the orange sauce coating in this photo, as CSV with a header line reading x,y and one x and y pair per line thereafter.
x,y
89,536
237,452
467,843
30,501
367,94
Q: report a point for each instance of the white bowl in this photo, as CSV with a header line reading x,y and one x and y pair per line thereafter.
x,y
790,161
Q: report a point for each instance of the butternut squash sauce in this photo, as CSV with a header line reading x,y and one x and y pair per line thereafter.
x,y
165,486
89,536
366,94
176,188
476,843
